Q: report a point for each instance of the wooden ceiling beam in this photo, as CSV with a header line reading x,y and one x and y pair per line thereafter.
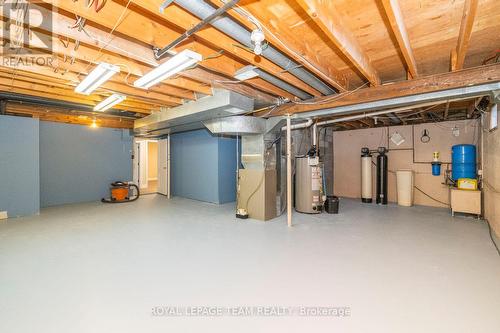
x,y
65,98
148,31
467,23
88,50
324,14
299,51
57,115
73,80
182,20
396,20
432,83
34,84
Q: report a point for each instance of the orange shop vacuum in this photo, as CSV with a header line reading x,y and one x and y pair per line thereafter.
x,y
122,192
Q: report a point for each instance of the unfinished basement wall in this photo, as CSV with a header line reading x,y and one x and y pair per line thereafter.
x,y
492,179
19,168
412,154
77,163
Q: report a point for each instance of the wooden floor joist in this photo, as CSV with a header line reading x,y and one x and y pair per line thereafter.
x,y
458,79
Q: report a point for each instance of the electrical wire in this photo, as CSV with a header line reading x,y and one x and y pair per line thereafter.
x,y
261,26
331,98
430,197
110,35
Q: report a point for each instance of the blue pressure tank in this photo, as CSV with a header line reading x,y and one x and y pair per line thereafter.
x,y
463,162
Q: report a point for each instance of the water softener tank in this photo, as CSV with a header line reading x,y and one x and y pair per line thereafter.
x,y
463,162
308,185
382,174
366,175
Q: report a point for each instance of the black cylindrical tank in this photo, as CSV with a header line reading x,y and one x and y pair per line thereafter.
x,y
382,174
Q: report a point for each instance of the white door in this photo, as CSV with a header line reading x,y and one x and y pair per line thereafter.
x,y
163,167
143,164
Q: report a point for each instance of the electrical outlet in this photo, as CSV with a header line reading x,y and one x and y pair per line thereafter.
x,y
3,215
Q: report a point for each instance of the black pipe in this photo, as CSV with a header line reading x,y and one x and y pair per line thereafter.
x,y
382,175
160,53
13,97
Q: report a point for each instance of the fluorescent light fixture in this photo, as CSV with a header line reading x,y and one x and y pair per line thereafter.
x,y
109,102
98,76
174,65
246,73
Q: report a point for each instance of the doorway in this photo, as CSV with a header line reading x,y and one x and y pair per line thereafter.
x,y
151,166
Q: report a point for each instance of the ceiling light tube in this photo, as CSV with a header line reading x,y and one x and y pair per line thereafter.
x,y
97,77
246,73
174,65
109,102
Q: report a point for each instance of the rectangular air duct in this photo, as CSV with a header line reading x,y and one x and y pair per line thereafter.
x,y
190,116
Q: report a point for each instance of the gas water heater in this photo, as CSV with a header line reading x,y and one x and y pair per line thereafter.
x,y
309,196
366,175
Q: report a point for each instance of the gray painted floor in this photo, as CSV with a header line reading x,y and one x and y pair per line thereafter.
x,y
103,268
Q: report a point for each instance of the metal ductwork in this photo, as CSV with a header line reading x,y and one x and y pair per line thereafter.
x,y
190,116
243,125
225,24
282,84
260,190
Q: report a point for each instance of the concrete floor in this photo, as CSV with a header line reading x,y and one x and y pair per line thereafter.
x,y
104,268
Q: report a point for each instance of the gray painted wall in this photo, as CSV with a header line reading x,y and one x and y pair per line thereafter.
x,y
77,163
203,166
19,171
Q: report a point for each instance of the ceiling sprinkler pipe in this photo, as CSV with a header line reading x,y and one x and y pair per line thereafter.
x,y
228,26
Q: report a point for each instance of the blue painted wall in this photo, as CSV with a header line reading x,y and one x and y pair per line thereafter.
x,y
19,170
77,163
227,169
203,166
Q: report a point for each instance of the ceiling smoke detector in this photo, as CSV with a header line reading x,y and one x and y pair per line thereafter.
x,y
257,38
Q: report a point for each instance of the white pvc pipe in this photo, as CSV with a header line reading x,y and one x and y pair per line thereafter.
x,y
306,124
315,134
289,170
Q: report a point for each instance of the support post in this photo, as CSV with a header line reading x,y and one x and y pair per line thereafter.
x,y
289,170
168,166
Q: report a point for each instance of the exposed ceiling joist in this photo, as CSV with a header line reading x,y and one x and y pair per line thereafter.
x,y
464,79
467,23
326,17
174,19
298,49
396,20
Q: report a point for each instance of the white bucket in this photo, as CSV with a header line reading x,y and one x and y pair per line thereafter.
x,y
404,181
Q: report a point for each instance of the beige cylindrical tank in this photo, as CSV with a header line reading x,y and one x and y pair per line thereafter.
x,y
308,186
404,184
366,179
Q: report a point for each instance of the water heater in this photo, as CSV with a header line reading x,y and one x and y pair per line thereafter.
x,y
366,175
308,185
